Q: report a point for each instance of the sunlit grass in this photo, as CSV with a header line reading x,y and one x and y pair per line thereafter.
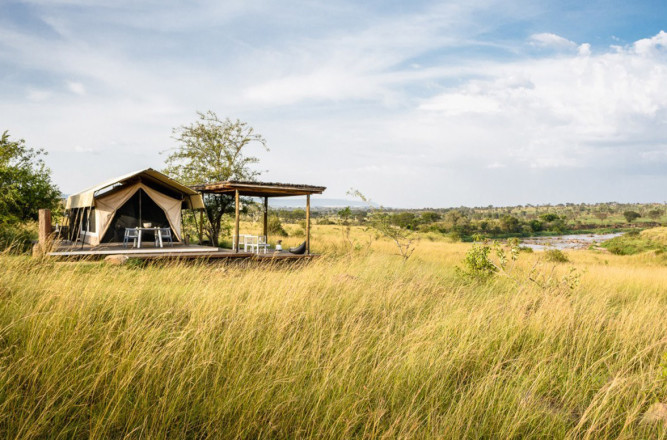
x,y
354,344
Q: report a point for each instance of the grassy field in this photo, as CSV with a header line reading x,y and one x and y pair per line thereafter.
x,y
357,344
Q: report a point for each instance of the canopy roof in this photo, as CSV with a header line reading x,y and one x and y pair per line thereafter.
x,y
87,198
259,189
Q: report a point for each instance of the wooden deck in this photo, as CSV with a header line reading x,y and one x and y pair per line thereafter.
x,y
175,252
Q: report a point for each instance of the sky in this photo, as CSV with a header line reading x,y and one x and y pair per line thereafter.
x,y
413,103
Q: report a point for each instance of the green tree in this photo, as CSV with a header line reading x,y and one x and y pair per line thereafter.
x,y
655,214
601,215
631,216
213,150
510,224
25,181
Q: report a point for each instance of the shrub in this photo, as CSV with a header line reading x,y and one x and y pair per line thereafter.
x,y
477,264
536,225
275,227
555,256
17,236
453,236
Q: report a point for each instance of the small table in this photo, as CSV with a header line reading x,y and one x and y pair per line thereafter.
x,y
155,230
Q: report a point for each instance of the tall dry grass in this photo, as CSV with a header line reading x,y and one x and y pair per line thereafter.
x,y
355,344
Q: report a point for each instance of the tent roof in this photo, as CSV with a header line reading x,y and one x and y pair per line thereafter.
x,y
259,189
87,198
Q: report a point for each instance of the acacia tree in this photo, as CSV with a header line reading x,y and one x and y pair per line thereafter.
x,y
631,216
25,181
212,150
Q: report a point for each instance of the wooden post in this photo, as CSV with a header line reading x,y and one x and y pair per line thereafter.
x,y
236,227
308,224
201,226
266,218
44,227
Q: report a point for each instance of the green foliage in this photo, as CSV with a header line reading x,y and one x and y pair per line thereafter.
x,y
430,217
655,214
632,243
631,216
536,225
213,150
25,182
510,224
549,217
17,237
555,256
515,221
479,263
275,227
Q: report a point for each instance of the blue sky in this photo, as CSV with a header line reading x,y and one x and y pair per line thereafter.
x,y
416,104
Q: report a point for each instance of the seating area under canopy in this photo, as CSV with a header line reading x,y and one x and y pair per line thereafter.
x,y
263,190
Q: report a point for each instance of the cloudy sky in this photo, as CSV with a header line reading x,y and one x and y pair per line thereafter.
x,y
415,103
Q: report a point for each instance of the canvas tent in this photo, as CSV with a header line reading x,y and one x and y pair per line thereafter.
x,y
100,214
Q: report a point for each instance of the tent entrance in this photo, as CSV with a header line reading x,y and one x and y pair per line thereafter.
x,y
136,211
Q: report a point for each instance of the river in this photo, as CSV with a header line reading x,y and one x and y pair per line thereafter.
x,y
576,241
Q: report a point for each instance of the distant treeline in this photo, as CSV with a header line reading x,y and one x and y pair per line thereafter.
x,y
490,221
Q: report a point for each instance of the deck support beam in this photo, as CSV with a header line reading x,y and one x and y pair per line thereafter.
x,y
44,226
266,218
201,226
236,222
308,224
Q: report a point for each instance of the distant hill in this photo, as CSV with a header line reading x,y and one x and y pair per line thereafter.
x,y
315,202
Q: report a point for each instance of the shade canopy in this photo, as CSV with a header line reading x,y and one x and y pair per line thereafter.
x,y
150,177
259,189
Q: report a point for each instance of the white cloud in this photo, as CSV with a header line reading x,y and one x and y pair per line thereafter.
x,y
36,95
458,103
551,40
647,46
584,49
76,87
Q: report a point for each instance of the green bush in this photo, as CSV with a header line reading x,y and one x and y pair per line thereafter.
x,y
275,227
477,264
631,243
555,256
453,236
17,236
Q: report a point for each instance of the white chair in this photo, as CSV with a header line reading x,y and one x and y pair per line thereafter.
x,y
243,240
262,244
162,235
251,241
131,234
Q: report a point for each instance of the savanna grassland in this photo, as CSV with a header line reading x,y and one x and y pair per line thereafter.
x,y
356,344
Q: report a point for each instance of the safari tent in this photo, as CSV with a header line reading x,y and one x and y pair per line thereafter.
x,y
102,213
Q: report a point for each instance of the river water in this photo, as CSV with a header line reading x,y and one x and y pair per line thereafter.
x,y
577,241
